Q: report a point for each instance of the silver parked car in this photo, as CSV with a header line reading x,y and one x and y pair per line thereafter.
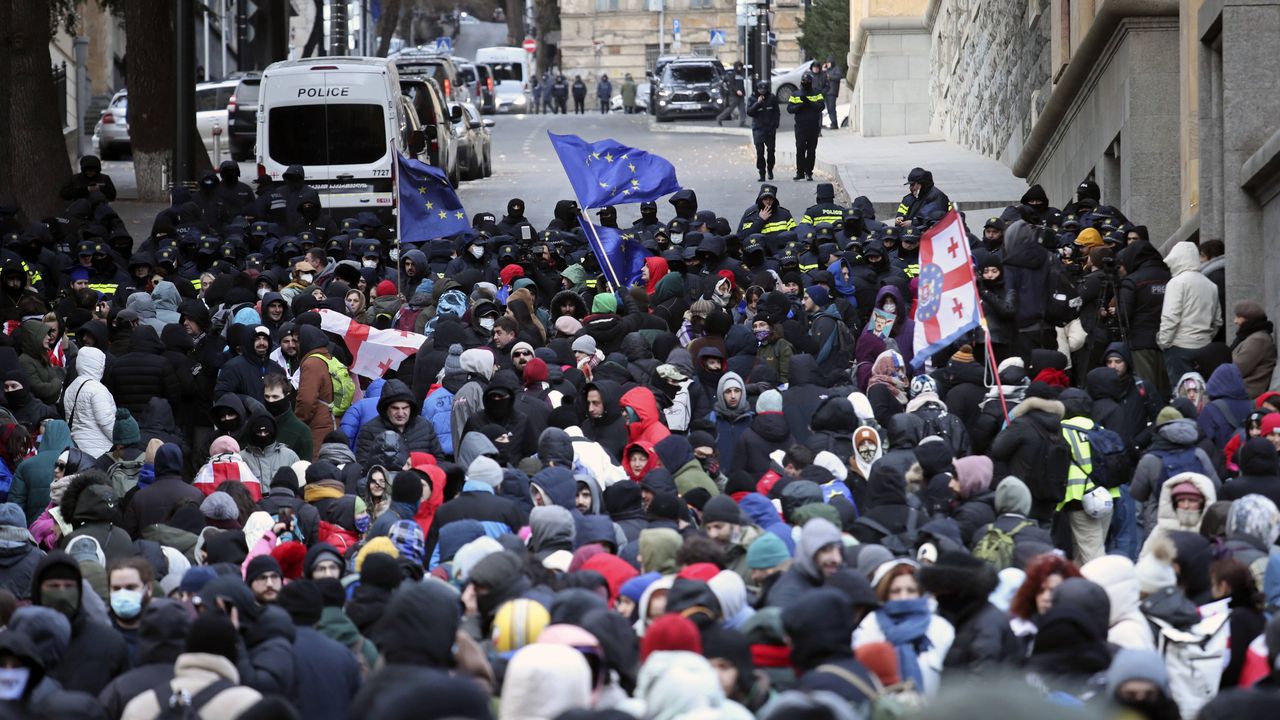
x,y
111,133
475,143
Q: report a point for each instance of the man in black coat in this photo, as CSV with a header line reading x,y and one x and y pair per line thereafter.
x,y
156,502
984,643
143,373
162,635
328,674
604,423
89,180
816,625
1022,447
97,653
1139,303
398,430
244,373
924,200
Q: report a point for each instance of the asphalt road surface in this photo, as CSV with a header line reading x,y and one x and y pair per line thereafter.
x,y
720,168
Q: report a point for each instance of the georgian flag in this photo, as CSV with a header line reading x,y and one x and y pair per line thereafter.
x,y
947,299
373,351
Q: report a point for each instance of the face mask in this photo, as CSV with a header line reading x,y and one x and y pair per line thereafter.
x,y
306,278
362,524
1188,518
15,396
711,465
867,452
889,306
487,323
369,263
477,252
126,604
352,307
65,601
277,407
262,292
762,335
13,681
394,254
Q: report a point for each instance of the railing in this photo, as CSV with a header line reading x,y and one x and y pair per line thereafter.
x,y
60,88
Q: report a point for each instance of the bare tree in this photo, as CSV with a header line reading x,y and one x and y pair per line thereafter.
x,y
515,22
387,25
33,155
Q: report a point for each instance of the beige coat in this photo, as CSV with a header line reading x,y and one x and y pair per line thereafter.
x,y
193,672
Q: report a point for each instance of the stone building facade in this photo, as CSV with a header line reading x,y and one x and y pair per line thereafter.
x,y
622,36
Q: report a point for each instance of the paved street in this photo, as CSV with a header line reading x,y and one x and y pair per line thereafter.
x,y
721,168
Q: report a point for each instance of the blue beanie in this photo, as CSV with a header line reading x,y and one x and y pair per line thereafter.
x,y
767,551
819,295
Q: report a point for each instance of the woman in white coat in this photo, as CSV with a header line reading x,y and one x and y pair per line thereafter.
x,y
907,620
91,409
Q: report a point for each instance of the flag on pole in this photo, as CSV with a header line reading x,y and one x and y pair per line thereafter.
x,y
947,301
606,172
619,253
428,206
373,351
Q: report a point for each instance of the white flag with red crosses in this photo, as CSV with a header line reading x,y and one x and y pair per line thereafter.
x,y
373,351
947,299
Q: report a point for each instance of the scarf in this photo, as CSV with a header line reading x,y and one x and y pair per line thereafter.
x,y
905,624
1251,326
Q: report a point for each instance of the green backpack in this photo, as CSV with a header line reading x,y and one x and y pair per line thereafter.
x,y
344,388
996,547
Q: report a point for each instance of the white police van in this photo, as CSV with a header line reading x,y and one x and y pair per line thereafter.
x,y
340,118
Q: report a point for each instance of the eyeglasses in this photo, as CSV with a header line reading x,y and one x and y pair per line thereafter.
x,y
59,465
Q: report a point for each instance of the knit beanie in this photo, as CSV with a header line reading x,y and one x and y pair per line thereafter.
x,y
407,487
409,539
470,554
321,470
740,481
303,601
497,570
585,344
604,303
219,509
261,565
1155,569
285,478
1167,414
721,508
963,355
1013,496
568,325
818,294
126,429
767,551
635,587
1089,238
453,363
376,546
670,632
769,401
535,371
522,345
381,570
485,470
385,288
213,633
292,556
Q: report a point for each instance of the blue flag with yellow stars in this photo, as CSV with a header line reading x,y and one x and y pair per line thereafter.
x,y
619,252
429,208
606,172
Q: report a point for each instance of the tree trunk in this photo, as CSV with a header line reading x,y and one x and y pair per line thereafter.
x,y
387,25
152,82
33,154
515,22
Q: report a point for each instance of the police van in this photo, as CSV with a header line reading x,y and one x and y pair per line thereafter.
x,y
340,118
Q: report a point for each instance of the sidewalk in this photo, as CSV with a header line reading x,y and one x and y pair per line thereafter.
x,y
877,167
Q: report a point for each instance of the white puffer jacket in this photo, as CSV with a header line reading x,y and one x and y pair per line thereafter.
x,y
91,409
1191,313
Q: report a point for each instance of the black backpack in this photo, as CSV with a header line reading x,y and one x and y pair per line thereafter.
x,y
901,544
1062,297
181,705
1050,484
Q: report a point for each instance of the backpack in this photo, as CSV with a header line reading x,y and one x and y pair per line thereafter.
x,y
181,705
1224,407
900,700
344,389
1062,299
124,474
1176,463
337,536
437,408
1194,658
901,544
1112,465
996,547
1050,484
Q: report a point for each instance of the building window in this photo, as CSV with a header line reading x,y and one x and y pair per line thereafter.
x,y
650,57
606,4
701,4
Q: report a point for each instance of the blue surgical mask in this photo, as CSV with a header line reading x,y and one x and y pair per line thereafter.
x,y
126,604
362,524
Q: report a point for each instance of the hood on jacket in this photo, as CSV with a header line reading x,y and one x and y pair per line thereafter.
x,y
658,548
20,646
31,335
834,414
1138,255
819,624
1185,433
418,625
477,361
56,558
1022,246
1225,382
555,446
641,400
473,445
162,634
891,291
550,529
1118,576
168,460
1105,383
1183,257
804,370
815,535
886,486
905,431
674,451
144,340
166,299
90,363
610,393
1257,457
558,485
1166,514
311,339
397,391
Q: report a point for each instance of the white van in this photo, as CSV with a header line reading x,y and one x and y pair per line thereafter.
x,y
513,70
339,118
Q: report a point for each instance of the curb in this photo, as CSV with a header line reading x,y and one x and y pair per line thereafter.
x,y
654,127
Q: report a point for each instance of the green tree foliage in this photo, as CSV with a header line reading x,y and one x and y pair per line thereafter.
x,y
825,31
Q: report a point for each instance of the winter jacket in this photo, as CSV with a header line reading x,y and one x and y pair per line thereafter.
x,y
803,575
1220,420
1120,402
154,503
315,388
610,430
1021,447
1026,272
143,373
804,394
265,461
1129,628
19,555
1259,473
31,480
1190,316
648,424
97,652
44,379
1140,299
767,433
1173,445
328,675
244,373
158,648
306,518
932,645
983,641
91,409
1167,520
1255,354
194,672
380,443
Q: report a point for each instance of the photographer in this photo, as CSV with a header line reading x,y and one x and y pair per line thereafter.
x,y
1102,325
765,117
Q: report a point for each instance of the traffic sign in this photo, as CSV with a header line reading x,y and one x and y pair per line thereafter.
x,y
717,37
444,45
773,39
675,26
530,45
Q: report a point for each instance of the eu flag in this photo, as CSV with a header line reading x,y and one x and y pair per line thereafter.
x,y
606,172
429,208
620,254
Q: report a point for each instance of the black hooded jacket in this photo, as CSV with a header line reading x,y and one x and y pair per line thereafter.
x,y
380,443
1021,448
886,504
609,429
804,394
143,373
244,373
97,652
1140,299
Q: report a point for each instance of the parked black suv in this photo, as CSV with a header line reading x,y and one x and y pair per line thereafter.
x,y
242,116
690,86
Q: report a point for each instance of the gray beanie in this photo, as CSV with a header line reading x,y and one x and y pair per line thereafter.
x,y
485,470
219,506
585,344
453,363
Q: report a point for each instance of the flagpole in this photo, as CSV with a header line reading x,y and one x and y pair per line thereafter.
x,y
395,208
599,251
982,323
